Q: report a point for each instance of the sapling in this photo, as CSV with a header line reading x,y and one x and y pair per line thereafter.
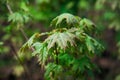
x,y
67,51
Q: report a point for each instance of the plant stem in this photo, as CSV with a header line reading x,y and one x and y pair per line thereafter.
x,y
24,34
56,53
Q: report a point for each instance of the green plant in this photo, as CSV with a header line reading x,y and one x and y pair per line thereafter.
x,y
67,50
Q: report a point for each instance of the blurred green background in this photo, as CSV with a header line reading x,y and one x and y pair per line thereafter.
x,y
37,15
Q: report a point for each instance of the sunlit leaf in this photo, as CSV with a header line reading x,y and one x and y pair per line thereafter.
x,y
65,20
61,39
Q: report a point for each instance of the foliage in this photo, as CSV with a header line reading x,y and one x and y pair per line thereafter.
x,y
67,49
18,18
35,15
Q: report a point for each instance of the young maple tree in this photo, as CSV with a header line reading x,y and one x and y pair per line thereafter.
x,y
67,50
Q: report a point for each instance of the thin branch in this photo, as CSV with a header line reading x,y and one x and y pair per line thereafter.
x,y
24,34
9,8
14,50
21,30
45,33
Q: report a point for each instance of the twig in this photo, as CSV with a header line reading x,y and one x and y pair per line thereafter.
x,y
11,12
24,34
9,8
15,52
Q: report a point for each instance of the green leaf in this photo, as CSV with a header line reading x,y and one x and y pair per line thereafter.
x,y
87,25
93,45
37,46
65,59
81,64
90,45
29,43
51,40
31,40
53,71
41,52
17,17
62,39
65,20
43,55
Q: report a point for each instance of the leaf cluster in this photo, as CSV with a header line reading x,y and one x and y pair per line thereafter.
x,y
67,49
